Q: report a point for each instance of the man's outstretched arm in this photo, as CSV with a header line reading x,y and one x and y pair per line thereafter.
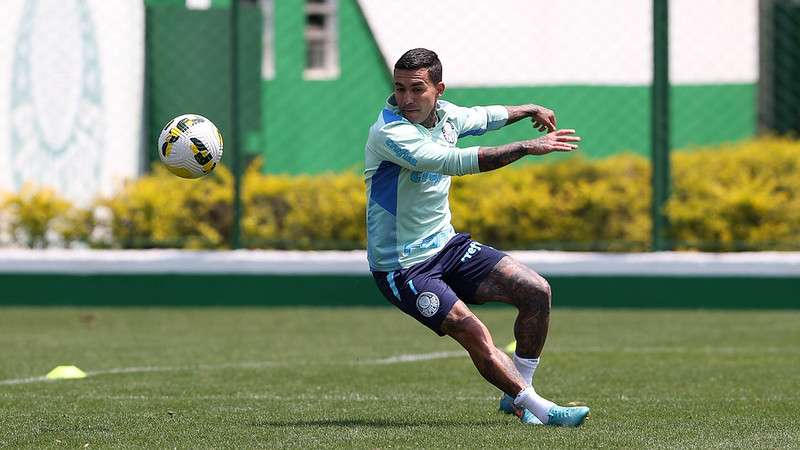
x,y
490,158
542,118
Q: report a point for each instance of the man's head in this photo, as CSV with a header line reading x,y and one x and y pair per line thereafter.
x,y
418,84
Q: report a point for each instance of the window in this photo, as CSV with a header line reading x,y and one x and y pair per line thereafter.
x,y
322,40
198,4
268,39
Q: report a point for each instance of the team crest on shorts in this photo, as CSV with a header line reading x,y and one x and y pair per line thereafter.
x,y
428,304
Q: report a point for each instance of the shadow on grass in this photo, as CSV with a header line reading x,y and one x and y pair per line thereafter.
x,y
377,423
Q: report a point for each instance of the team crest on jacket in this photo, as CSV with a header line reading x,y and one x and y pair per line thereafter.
x,y
449,132
427,304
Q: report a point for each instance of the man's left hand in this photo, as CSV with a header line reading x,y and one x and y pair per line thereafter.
x,y
543,118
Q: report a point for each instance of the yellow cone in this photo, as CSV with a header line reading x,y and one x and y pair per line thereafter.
x,y
66,373
511,347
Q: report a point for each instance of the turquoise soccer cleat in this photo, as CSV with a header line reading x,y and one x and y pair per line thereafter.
x,y
567,416
507,406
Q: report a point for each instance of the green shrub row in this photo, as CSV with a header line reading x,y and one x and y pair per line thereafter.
x,y
740,196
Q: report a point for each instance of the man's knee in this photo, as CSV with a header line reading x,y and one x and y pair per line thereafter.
x,y
465,327
460,321
539,294
526,288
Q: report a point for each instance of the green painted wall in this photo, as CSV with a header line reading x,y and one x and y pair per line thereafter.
x,y
616,119
611,119
585,108
710,114
343,290
188,67
317,126
313,126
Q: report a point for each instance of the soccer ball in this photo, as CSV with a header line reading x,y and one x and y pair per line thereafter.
x,y
190,146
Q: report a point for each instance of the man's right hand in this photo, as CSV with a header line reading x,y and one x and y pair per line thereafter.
x,y
555,141
491,158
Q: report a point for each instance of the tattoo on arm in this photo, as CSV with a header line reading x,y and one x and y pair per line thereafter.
x,y
491,158
517,113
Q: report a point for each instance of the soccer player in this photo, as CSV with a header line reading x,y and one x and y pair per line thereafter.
x,y
420,264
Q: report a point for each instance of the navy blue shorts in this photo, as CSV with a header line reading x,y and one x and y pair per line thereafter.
x,y
428,290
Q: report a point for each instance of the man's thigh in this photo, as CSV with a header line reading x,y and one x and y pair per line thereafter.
x,y
467,264
510,282
427,299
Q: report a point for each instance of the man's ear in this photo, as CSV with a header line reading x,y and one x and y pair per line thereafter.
x,y
440,88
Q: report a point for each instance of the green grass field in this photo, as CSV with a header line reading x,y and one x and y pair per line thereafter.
x,y
314,377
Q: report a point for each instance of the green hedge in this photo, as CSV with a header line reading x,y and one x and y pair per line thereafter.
x,y
739,196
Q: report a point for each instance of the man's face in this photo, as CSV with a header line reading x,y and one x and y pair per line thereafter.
x,y
416,94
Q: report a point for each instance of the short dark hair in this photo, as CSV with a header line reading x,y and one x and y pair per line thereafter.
x,y
421,58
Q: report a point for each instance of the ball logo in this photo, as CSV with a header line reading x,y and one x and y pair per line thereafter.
x,y
428,304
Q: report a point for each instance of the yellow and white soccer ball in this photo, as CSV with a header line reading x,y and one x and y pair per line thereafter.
x,y
190,146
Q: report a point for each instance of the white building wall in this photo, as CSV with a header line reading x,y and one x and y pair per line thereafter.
x,y
71,94
606,42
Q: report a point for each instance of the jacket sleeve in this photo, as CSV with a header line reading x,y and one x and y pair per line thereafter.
x,y
477,120
403,144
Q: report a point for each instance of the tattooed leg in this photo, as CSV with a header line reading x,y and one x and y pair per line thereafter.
x,y
494,365
514,283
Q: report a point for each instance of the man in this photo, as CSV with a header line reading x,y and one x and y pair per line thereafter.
x,y
418,261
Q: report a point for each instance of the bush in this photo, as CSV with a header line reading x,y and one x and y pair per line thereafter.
x,y
739,196
599,205
304,212
162,210
37,217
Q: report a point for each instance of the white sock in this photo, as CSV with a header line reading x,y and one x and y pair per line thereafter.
x,y
531,401
526,367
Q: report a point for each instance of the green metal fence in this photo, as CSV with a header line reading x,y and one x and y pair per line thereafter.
x,y
779,86
188,67
642,79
